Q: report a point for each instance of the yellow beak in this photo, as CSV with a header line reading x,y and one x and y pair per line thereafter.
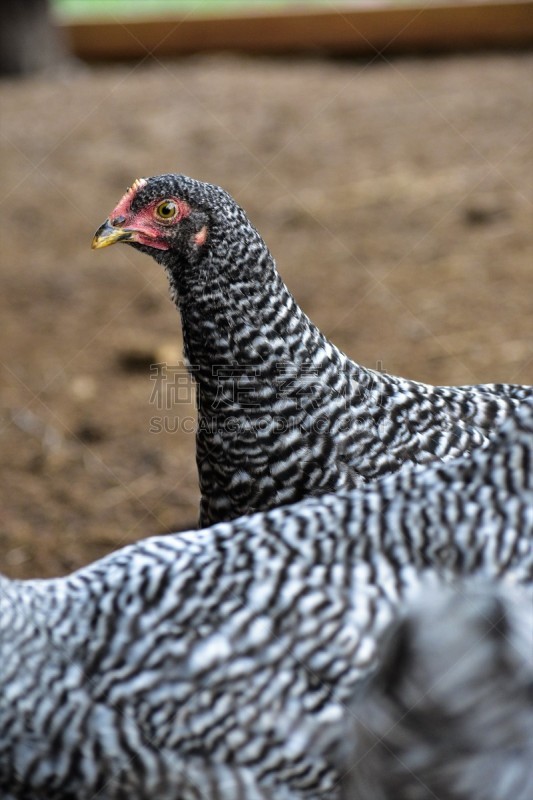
x,y
107,234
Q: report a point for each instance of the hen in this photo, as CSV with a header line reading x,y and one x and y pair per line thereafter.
x,y
282,413
205,665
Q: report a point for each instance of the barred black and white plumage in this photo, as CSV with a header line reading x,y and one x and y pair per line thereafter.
x,y
183,664
449,713
283,414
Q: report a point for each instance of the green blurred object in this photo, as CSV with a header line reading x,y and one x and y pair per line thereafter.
x,y
78,8
129,29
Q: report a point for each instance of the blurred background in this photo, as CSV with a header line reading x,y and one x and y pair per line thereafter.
x,y
384,151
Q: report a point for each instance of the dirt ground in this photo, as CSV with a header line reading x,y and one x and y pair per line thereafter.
x,y
397,198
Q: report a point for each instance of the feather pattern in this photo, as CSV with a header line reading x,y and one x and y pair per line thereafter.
x,y
449,713
204,664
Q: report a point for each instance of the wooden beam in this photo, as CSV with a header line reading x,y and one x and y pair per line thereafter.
x,y
358,32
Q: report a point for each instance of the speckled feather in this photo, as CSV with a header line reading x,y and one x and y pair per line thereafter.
x,y
183,665
449,713
283,414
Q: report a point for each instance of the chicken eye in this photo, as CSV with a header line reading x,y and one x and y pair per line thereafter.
x,y
166,210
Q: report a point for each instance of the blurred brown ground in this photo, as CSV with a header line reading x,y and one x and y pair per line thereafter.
x,y
397,198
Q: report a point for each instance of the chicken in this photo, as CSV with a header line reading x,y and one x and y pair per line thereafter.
x,y
207,664
282,413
